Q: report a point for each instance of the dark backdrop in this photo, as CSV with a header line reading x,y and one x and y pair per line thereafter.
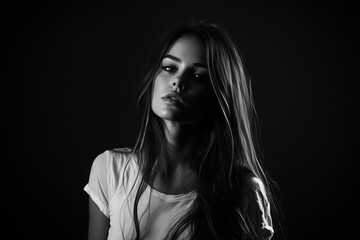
x,y
68,93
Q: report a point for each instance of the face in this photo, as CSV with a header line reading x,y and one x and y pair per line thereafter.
x,y
182,89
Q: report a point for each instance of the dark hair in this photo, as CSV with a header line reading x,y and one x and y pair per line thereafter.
x,y
230,135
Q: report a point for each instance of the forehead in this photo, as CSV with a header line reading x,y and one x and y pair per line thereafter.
x,y
189,48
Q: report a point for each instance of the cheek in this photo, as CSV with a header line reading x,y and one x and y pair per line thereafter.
x,y
156,92
203,96
158,84
202,102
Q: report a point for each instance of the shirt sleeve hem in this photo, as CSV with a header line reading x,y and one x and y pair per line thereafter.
x,y
97,201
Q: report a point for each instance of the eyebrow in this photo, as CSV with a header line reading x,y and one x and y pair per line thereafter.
x,y
176,59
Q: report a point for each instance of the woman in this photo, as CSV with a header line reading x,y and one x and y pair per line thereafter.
x,y
193,172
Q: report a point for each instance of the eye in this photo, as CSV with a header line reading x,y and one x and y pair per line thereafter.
x,y
170,69
200,77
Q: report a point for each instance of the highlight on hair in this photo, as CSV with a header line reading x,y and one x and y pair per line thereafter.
x,y
228,154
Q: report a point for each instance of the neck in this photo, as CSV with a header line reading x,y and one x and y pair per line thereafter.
x,y
182,141
174,172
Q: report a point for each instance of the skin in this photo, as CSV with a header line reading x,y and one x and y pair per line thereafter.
x,y
98,223
184,72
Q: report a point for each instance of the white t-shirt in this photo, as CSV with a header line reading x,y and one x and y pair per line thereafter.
x,y
113,184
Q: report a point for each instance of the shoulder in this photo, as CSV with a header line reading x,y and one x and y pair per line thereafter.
x,y
113,168
256,195
256,206
115,156
256,184
253,189
252,192
112,160
248,180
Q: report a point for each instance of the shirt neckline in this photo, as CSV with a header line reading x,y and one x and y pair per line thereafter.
x,y
172,197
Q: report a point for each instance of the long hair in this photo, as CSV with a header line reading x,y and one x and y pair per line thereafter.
x,y
227,154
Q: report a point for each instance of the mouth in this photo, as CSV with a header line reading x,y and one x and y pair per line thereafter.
x,y
174,98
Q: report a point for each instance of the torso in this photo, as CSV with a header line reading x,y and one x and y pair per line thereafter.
x,y
158,209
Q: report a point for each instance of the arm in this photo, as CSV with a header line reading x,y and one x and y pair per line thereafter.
x,y
98,223
258,209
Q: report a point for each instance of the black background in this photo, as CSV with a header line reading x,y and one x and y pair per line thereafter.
x,y
68,93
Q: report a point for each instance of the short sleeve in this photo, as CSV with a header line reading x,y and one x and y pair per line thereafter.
x,y
258,209
98,186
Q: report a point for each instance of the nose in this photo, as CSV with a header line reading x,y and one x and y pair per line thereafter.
x,y
177,84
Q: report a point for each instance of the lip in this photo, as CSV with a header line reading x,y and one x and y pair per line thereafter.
x,y
173,96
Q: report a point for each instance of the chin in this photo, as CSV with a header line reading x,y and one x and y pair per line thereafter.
x,y
175,115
